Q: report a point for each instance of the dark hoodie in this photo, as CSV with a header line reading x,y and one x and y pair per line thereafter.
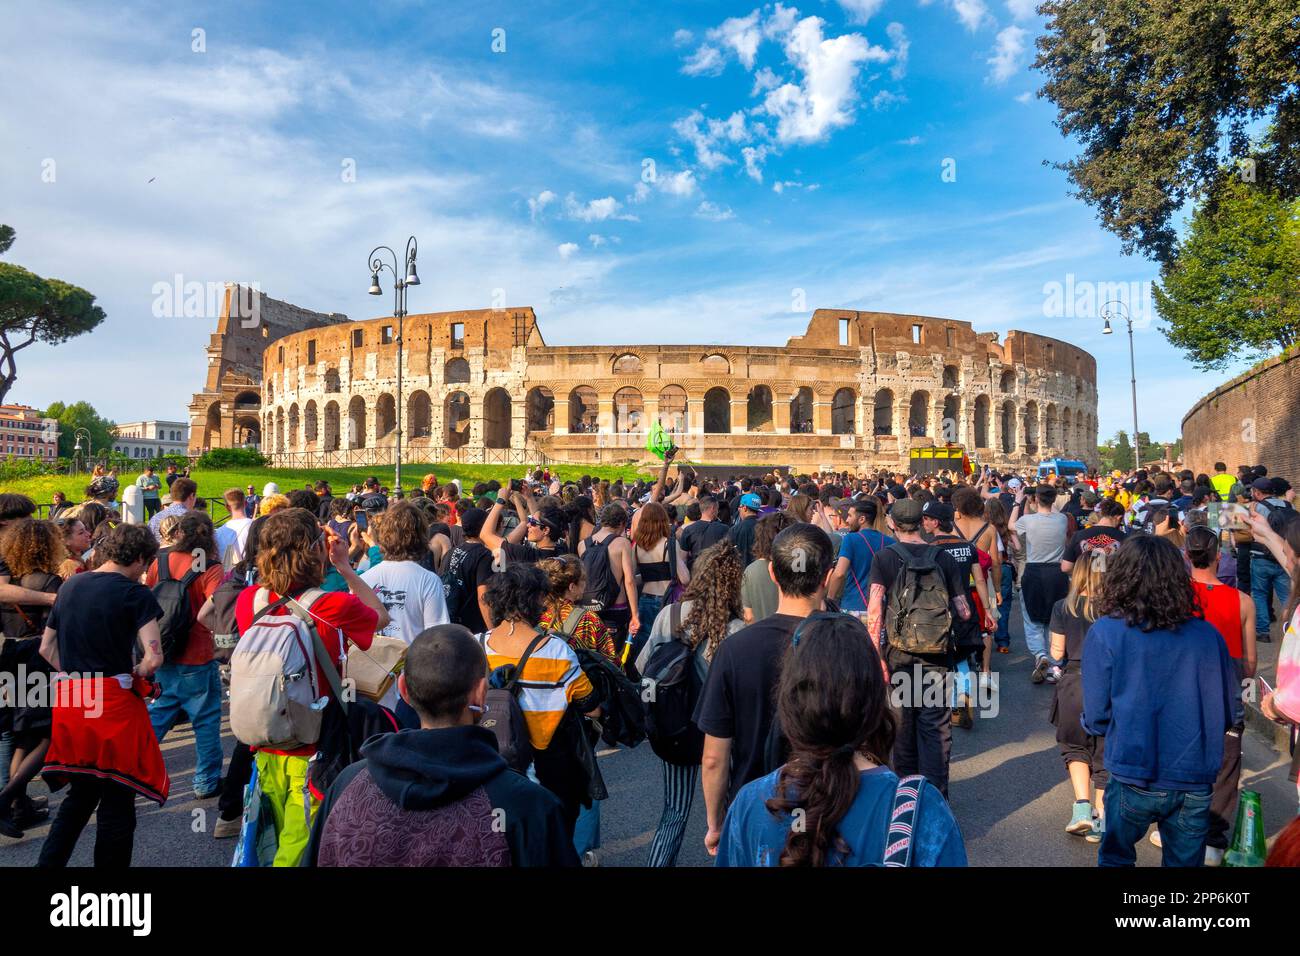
x,y
437,798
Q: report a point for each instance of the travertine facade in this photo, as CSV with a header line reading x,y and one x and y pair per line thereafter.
x,y
227,413
856,389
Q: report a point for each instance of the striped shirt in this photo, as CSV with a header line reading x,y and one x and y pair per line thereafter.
x,y
552,680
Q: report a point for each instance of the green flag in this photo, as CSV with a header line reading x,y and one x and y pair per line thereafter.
x,y
656,442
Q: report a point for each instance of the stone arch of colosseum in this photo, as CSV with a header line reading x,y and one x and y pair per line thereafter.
x,y
484,383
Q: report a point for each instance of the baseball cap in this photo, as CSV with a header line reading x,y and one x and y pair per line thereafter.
x,y
1262,485
1014,483
751,501
937,510
898,491
906,510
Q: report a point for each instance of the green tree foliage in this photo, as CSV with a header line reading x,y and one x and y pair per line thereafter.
x,y
80,415
1116,453
1232,292
1163,95
33,309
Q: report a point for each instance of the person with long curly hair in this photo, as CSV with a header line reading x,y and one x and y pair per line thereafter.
x,y
565,615
33,551
1160,686
832,801
710,612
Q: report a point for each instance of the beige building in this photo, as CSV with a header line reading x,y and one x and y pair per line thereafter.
x,y
856,390
26,435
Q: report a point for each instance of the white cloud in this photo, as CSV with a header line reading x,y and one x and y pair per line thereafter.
x,y
1007,53
597,210
885,99
1025,97
596,240
706,61
1022,9
911,141
683,37
703,133
540,202
678,184
764,80
781,21
566,249
781,186
741,35
640,193
755,156
714,212
972,13
899,47
823,100
860,11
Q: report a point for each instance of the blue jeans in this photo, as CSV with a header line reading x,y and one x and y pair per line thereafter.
x,y
1267,578
1183,818
1002,637
586,833
194,689
1035,634
647,609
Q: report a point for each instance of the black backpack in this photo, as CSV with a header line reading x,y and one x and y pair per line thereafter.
x,y
1155,515
671,688
174,598
918,611
622,719
225,629
502,714
602,588
458,592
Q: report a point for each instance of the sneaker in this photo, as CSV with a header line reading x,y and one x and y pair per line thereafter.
x,y
227,828
1003,649
9,828
1080,819
962,715
209,792
591,858
26,816
1053,674
1098,829
1040,670
1213,856
1155,839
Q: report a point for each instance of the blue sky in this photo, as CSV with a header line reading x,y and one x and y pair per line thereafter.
x,y
637,172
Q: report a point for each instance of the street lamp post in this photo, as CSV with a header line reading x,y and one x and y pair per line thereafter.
x,y
76,448
1132,369
377,264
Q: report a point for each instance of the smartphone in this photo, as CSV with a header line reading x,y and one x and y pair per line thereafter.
x,y
360,515
516,485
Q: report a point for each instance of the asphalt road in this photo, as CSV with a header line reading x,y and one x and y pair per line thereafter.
x,y
1008,791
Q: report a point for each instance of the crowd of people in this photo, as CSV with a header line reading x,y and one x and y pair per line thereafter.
x,y
801,646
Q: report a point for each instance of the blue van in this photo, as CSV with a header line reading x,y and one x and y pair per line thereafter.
x,y
1071,471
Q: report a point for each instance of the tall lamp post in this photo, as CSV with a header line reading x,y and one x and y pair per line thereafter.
x,y
76,448
377,265
1132,369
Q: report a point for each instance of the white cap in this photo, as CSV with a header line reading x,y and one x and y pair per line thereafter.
x,y
271,489
1014,483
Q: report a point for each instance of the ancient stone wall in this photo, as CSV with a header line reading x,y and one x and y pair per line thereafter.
x,y
1250,420
856,389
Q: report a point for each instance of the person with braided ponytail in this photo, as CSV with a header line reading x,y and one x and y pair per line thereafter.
x,y
834,800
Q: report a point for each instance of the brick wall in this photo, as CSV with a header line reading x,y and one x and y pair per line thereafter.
x,y
1254,419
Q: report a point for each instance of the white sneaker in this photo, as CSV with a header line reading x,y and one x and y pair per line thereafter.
x,y
1213,856
1155,839
1053,674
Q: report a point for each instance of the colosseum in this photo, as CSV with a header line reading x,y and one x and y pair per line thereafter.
x,y
856,390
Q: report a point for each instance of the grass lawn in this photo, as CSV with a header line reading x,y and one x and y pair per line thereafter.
x,y
214,482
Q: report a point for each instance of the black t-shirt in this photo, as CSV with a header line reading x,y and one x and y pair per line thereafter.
x,y
742,536
471,565
97,615
1073,626
885,568
699,536
529,553
737,701
1096,538
963,553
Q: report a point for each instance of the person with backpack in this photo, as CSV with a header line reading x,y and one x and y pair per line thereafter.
x,y
1043,583
735,709
835,802
546,680
566,615
1267,577
916,595
102,746
674,664
441,795
861,543
469,568
292,551
611,573
190,678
